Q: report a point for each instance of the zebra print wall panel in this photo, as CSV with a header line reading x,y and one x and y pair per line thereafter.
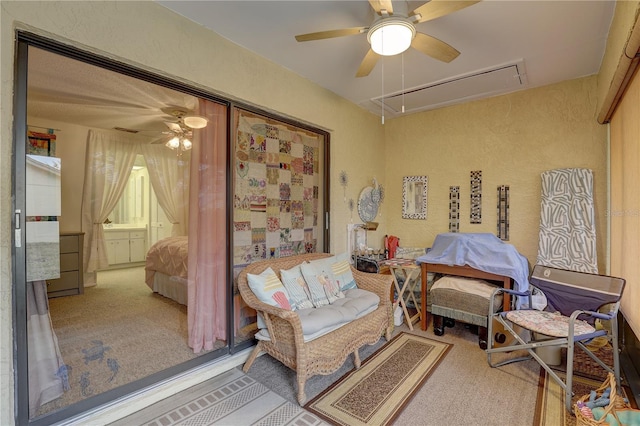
x,y
567,221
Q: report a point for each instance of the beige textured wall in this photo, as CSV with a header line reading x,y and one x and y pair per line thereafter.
x,y
512,139
533,131
170,45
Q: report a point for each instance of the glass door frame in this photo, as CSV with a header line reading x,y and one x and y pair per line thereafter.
x,y
24,40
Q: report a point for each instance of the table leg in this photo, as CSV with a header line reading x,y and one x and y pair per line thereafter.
x,y
423,305
401,291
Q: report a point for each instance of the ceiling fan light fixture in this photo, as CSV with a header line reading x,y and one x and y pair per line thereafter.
x,y
186,144
195,121
173,143
391,36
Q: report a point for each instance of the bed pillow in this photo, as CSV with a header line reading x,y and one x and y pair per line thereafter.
x,y
269,289
297,288
341,269
321,282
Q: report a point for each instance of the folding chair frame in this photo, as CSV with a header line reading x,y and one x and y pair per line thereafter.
x,y
568,342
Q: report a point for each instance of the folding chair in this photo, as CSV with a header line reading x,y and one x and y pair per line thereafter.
x,y
573,301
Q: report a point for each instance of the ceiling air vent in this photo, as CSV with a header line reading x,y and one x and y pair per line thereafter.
x,y
124,129
479,84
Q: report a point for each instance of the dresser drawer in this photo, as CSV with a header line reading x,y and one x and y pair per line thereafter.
x,y
137,234
67,281
69,244
69,262
71,281
117,235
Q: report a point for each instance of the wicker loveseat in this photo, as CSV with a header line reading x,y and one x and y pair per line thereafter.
x,y
324,354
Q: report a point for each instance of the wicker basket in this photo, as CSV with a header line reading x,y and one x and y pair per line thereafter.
x,y
616,402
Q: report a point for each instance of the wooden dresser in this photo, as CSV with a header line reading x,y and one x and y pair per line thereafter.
x,y
71,280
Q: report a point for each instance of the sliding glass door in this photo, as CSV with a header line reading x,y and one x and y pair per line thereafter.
x,y
137,200
121,221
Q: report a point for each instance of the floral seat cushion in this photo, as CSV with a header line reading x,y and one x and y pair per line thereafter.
x,y
548,323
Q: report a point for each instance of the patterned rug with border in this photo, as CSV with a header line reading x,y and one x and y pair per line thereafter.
x,y
377,392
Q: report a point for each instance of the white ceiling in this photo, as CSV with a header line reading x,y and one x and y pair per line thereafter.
x,y
549,41
553,40
67,90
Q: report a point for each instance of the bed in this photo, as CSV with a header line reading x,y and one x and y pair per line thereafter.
x,y
166,274
166,268
475,255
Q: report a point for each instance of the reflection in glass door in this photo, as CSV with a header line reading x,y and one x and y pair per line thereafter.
x,y
96,334
48,378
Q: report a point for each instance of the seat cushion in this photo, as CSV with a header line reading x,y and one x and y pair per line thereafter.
x,y
464,294
548,323
317,322
355,303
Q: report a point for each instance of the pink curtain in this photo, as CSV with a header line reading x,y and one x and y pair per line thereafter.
x,y
207,230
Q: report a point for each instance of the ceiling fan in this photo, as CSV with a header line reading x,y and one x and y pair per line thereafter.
x,y
180,131
392,33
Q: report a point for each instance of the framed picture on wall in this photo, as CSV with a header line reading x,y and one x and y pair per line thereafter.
x,y
414,197
41,144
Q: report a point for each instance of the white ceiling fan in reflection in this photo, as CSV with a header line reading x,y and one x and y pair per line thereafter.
x,y
181,131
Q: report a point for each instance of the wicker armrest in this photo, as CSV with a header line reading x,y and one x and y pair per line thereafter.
x,y
379,284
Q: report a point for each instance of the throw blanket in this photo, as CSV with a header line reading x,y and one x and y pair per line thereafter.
x,y
168,256
484,252
567,221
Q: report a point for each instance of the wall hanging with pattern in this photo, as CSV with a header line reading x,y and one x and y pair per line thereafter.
x,y
454,209
414,197
276,189
503,212
476,196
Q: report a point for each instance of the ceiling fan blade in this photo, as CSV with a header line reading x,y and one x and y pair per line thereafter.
x,y
331,34
437,8
174,127
380,5
161,140
433,47
367,64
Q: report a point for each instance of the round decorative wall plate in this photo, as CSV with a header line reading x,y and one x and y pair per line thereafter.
x,y
367,207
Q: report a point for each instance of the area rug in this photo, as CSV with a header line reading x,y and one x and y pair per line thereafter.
x,y
377,392
550,410
232,398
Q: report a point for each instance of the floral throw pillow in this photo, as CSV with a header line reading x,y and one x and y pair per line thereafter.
x,y
269,289
341,269
322,284
299,294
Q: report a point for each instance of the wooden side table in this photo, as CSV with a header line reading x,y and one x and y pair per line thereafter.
x,y
410,272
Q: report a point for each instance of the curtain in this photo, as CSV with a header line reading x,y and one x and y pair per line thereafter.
x,y
47,372
624,212
169,176
207,264
109,160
